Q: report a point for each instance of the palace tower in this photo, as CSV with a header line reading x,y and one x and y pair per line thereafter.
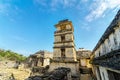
x,y
64,54
64,47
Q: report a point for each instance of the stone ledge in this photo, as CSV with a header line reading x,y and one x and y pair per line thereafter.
x,y
65,61
60,31
63,42
64,33
110,60
63,47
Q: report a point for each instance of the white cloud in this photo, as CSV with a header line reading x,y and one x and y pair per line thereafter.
x,y
64,3
98,8
54,4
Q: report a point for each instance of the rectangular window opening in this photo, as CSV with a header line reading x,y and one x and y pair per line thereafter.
x,y
63,52
63,38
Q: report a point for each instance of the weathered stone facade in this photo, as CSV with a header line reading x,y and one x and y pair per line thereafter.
x,y
64,54
73,66
40,58
106,55
64,46
83,56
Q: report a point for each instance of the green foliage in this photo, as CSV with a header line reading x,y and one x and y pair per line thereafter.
x,y
7,54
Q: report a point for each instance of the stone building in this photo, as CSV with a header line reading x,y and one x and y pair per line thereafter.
x,y
39,59
83,56
64,47
85,68
64,54
106,55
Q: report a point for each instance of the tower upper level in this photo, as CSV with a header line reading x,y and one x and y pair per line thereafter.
x,y
64,25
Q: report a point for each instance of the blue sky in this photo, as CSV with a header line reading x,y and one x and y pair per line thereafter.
x,y
27,26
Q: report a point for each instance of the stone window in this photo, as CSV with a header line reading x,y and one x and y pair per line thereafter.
x,y
63,52
63,38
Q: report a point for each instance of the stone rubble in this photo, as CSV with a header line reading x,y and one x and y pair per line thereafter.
x,y
8,72
6,76
57,74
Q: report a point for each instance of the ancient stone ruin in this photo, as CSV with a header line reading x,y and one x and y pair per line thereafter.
x,y
60,73
65,62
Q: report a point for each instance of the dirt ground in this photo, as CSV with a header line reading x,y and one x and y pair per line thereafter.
x,y
19,74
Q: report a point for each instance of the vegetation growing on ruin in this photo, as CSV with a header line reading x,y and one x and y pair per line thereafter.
x,y
9,55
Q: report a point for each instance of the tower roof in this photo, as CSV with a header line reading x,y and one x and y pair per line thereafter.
x,y
63,22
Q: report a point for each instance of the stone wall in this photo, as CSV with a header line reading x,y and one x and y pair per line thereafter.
x,y
112,42
69,37
74,66
57,39
64,44
46,62
40,58
83,56
57,52
69,53
107,51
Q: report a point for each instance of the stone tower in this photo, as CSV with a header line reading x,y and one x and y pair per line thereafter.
x,y
64,54
64,47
